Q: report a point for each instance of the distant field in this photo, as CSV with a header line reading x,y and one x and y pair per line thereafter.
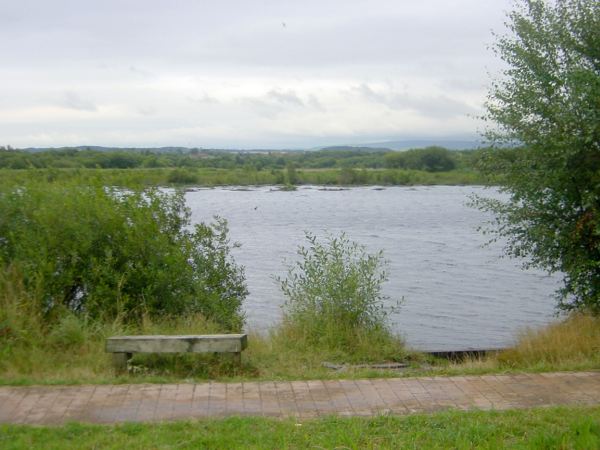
x,y
245,177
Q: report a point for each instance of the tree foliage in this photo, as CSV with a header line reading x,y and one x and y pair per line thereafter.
x,y
433,159
107,253
548,105
334,294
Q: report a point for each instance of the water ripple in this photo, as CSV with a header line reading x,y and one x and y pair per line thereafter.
x,y
458,293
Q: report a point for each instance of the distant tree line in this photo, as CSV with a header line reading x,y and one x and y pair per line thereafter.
x,y
431,159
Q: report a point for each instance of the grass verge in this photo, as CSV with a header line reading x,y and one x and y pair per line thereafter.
x,y
563,427
65,358
241,177
566,345
71,350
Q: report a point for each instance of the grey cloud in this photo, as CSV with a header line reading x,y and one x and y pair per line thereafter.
x,y
314,103
204,99
141,72
73,101
243,33
144,47
147,110
288,97
274,102
440,106
462,84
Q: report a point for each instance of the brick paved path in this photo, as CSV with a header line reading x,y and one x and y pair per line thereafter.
x,y
304,399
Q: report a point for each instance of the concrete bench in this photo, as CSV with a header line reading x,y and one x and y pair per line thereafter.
x,y
123,347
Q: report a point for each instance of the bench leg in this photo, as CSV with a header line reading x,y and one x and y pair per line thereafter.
x,y
120,361
237,358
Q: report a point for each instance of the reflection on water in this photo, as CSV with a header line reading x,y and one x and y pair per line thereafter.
x,y
457,294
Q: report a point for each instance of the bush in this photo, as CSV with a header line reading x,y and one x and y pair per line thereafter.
x,y
430,159
109,254
334,300
183,176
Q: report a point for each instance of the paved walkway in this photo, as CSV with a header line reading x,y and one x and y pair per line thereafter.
x,y
303,399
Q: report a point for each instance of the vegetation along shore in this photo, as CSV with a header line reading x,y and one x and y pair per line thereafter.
x,y
90,247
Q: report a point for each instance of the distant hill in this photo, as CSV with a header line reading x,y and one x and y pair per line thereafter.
x,y
181,150
355,148
450,144
99,148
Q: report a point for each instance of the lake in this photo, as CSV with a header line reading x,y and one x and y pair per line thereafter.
x,y
458,293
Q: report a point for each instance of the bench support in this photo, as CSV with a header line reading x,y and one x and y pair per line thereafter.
x,y
120,361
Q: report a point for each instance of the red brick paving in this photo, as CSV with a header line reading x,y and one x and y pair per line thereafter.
x,y
50,405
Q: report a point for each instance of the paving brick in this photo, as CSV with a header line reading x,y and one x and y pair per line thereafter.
x,y
268,399
217,405
338,397
251,399
287,399
200,400
303,399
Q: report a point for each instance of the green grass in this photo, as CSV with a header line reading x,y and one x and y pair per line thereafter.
x,y
41,348
266,358
563,428
66,358
71,351
568,345
241,177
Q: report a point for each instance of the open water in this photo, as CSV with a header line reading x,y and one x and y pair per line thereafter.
x,y
458,293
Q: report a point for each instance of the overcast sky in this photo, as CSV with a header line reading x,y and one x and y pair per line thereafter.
x,y
245,74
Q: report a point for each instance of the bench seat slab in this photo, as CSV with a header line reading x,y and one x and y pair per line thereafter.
x,y
206,343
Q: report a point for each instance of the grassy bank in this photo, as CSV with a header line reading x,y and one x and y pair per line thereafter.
x,y
73,353
334,313
81,262
567,428
244,177
569,344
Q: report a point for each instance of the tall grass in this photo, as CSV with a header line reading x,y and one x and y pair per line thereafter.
x,y
70,348
572,342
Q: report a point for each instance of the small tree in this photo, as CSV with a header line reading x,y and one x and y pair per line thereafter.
x,y
548,104
291,175
334,297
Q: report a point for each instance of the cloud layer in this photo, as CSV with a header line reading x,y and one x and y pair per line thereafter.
x,y
242,73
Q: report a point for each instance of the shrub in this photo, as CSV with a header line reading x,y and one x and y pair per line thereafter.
x,y
430,159
108,254
183,176
334,299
